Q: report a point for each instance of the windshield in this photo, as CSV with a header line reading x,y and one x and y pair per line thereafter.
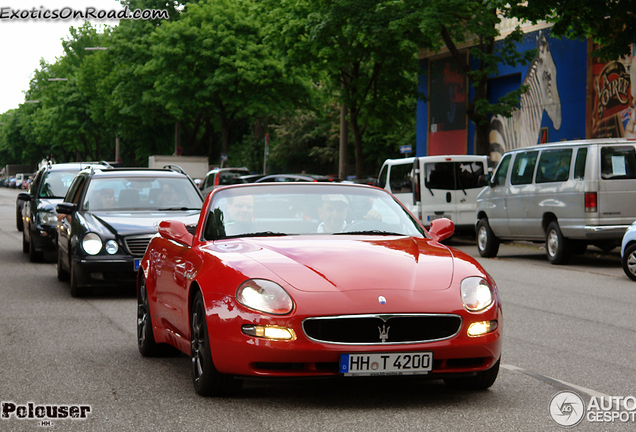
x,y
56,183
306,209
141,193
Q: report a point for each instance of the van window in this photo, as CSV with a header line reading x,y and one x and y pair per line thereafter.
x,y
401,178
579,164
523,168
618,163
440,175
468,174
502,171
554,166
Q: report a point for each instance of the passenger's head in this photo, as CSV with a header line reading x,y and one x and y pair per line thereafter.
x,y
106,198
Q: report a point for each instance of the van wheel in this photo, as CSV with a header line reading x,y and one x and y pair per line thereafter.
x,y
487,242
557,247
629,261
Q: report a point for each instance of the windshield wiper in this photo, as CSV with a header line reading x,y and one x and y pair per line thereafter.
x,y
259,234
369,232
178,208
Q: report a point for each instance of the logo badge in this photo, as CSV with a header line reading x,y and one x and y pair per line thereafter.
x,y
567,409
384,332
382,300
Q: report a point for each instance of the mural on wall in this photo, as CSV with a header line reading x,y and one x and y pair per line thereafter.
x,y
524,127
447,108
613,114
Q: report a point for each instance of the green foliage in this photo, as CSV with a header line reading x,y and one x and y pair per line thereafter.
x,y
610,23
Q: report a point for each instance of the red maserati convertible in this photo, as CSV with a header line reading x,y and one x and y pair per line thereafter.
x,y
314,280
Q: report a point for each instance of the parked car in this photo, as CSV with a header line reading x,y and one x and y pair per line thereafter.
x,y
258,289
35,210
249,178
433,187
628,252
294,178
568,195
221,177
110,215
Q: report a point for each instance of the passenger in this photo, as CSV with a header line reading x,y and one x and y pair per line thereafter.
x,y
333,213
106,199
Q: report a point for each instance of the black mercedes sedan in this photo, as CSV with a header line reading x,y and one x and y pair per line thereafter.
x,y
108,218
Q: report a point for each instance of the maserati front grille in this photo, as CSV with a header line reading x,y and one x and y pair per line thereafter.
x,y
382,329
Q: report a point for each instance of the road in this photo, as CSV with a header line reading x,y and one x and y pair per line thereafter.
x,y
566,328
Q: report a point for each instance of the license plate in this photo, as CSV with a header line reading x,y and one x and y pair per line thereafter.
x,y
137,263
412,363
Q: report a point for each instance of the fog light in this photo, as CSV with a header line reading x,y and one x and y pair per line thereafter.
x,y
482,328
269,332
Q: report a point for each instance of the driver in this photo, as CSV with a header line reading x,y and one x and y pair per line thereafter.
x,y
333,213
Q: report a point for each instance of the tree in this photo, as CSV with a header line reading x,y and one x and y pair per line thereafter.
x,y
212,67
365,51
610,23
474,23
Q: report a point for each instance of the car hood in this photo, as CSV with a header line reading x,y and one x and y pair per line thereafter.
x,y
138,222
332,263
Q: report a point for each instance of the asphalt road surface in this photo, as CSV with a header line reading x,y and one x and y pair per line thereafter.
x,y
566,328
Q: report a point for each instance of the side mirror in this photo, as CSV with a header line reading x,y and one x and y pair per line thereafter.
x,y
24,196
176,231
484,180
65,208
441,229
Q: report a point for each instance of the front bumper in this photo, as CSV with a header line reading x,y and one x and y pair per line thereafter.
x,y
236,353
103,271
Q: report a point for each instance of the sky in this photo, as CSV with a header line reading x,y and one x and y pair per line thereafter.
x,y
24,42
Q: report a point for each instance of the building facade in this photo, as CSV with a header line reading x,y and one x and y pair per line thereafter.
x,y
571,96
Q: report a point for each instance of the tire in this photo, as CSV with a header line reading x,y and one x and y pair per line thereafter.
x,y
629,261
25,243
145,336
34,256
207,380
62,274
480,381
18,219
76,290
487,242
557,247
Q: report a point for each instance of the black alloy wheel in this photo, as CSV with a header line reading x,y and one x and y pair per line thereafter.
x,y
208,381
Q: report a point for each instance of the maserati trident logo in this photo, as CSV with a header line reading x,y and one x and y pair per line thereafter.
x,y
384,332
382,300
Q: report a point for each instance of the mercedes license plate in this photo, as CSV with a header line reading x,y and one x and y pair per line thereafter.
x,y
412,363
137,263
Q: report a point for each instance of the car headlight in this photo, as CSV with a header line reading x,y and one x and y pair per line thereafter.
x,y
92,243
47,218
264,296
476,293
111,247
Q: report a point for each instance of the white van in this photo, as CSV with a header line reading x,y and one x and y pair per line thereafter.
x,y
567,194
433,187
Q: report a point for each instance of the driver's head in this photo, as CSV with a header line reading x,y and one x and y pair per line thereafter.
x,y
333,212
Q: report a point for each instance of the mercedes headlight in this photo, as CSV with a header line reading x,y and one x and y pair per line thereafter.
x,y
264,296
111,247
92,243
476,293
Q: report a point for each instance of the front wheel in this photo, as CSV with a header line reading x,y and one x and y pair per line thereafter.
x,y
62,275
146,343
479,381
208,381
487,242
629,261
557,247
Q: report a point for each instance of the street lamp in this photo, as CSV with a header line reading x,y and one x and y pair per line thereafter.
x,y
97,48
58,79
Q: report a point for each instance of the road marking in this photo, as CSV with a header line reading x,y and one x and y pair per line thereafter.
x,y
556,382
